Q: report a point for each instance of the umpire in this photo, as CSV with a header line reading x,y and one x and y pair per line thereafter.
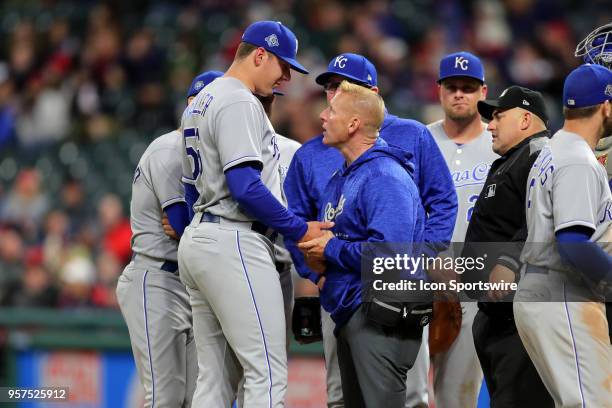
x,y
498,227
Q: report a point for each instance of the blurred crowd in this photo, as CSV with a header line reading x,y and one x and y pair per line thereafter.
x,y
80,75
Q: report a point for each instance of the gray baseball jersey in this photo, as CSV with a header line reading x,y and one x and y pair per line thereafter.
x,y
469,165
156,185
563,330
225,125
457,372
152,299
566,187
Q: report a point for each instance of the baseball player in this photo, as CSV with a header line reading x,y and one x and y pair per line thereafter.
x,y
466,146
226,254
559,314
312,168
153,301
596,48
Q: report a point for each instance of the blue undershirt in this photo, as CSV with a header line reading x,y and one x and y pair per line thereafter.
x,y
178,216
246,187
587,257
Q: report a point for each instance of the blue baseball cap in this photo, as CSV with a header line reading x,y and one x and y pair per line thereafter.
x,y
461,64
352,66
274,37
201,81
587,85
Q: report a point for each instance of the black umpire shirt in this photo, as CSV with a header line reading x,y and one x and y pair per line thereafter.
x,y
499,213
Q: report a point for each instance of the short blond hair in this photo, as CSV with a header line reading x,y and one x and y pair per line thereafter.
x,y
368,104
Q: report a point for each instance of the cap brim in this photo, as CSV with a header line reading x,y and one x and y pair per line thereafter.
x,y
461,76
296,66
486,108
324,77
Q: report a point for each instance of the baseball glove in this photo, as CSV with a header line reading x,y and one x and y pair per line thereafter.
x,y
445,325
306,320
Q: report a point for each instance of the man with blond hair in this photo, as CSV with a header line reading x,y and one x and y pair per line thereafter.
x,y
372,199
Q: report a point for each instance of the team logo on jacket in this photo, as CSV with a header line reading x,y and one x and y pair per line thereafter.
x,y
491,191
331,213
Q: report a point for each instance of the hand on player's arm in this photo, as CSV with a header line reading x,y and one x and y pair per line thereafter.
x,y
168,230
315,230
498,274
314,249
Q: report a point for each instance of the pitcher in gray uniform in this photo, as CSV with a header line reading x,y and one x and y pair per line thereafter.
x,y
558,308
152,299
226,254
466,146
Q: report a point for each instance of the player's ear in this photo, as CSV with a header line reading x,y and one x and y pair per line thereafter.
x,y
353,125
526,120
483,92
259,55
374,88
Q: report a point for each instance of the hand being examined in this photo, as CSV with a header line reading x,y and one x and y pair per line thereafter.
x,y
314,251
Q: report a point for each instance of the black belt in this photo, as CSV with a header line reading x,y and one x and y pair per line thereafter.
x,y
255,226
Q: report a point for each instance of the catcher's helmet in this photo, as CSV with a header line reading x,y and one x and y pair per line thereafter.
x,y
596,48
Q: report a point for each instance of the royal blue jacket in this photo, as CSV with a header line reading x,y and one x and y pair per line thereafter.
x,y
373,200
314,163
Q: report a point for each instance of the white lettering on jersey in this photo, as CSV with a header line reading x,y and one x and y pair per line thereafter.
x,y
331,213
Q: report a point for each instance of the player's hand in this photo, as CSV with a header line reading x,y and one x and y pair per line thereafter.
x,y
314,250
315,230
498,274
168,230
321,283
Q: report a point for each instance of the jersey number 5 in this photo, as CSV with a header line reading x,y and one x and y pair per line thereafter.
x,y
192,137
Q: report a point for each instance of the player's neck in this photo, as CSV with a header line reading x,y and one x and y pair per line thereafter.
x,y
236,70
585,128
352,151
461,131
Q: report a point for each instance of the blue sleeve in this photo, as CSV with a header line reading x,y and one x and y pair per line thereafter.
x,y
585,256
191,196
246,187
381,215
178,216
301,202
610,184
438,195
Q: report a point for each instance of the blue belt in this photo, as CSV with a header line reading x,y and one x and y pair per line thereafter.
x,y
255,226
536,269
169,266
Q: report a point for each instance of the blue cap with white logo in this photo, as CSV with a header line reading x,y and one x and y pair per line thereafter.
x,y
355,67
461,64
587,85
274,37
201,81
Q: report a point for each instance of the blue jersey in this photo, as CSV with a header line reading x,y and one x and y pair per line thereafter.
x,y
373,200
314,163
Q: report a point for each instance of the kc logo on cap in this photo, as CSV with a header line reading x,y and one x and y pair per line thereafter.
x,y
461,64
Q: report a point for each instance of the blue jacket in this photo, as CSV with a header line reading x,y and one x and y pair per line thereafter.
x,y
373,200
314,163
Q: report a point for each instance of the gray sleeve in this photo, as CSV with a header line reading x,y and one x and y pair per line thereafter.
x,y
239,134
165,169
575,196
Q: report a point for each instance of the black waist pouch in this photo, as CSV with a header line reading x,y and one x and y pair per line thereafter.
x,y
395,314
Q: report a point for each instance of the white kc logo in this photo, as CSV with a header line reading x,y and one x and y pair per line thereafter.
x,y
461,63
340,61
